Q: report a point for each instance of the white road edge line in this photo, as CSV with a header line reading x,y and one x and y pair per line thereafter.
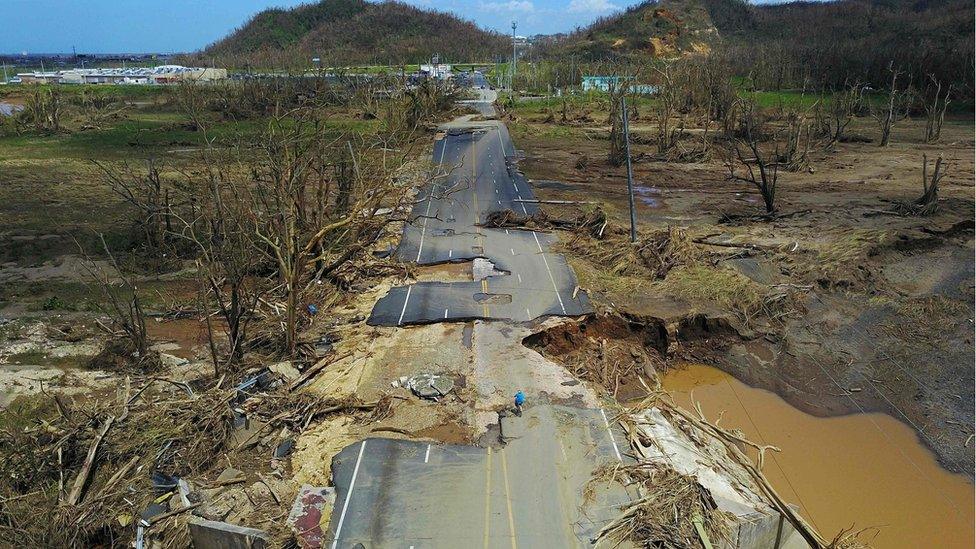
x,y
528,314
445,313
345,505
519,277
551,279
409,288
430,194
427,455
610,432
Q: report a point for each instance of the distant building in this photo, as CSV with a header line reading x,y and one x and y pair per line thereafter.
x,y
163,74
606,83
439,71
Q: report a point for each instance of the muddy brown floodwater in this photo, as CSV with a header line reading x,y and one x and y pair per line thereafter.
x,y
866,470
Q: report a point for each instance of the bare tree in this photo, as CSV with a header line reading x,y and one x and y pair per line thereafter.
x,y
935,110
43,109
928,203
120,302
893,109
795,154
761,168
293,206
149,196
832,116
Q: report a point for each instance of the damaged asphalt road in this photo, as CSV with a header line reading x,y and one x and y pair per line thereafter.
x,y
529,492
536,480
527,281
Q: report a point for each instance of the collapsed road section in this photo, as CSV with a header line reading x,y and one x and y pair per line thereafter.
x,y
478,177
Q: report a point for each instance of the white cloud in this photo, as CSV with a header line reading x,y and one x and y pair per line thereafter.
x,y
521,6
591,6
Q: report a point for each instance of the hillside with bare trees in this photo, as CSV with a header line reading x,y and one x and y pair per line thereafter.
x,y
799,44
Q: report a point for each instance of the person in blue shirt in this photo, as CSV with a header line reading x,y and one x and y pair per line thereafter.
x,y
519,401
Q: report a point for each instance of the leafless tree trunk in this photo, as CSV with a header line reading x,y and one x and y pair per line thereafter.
x,y
887,116
833,115
928,203
935,110
760,168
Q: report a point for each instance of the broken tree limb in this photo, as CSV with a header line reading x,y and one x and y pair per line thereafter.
x,y
745,245
314,370
77,490
159,518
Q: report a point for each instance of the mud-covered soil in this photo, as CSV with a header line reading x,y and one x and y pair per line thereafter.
x,y
880,309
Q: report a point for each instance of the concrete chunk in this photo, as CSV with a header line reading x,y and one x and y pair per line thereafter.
x,y
208,534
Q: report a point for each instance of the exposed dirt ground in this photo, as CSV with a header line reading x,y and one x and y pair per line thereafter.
x,y
879,315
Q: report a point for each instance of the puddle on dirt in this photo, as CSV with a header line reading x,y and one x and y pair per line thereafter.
x,y
650,196
868,470
188,333
9,109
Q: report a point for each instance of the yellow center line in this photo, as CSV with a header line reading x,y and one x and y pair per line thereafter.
x,y
484,290
487,495
508,501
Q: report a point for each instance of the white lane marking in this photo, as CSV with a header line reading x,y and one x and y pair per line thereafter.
x,y
345,505
512,250
500,142
610,431
445,313
423,231
528,315
499,202
506,231
496,189
526,212
551,279
450,253
427,455
519,277
409,288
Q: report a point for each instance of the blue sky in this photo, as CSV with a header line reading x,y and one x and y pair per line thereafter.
x,y
48,26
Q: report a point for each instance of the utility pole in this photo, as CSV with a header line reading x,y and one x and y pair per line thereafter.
x,y
630,170
514,56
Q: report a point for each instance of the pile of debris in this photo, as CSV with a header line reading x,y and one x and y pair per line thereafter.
x,y
161,454
697,488
652,256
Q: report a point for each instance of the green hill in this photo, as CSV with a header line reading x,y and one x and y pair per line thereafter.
x,y
353,32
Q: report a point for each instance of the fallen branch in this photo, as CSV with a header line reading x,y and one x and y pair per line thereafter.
x,y
159,518
528,201
77,491
314,370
